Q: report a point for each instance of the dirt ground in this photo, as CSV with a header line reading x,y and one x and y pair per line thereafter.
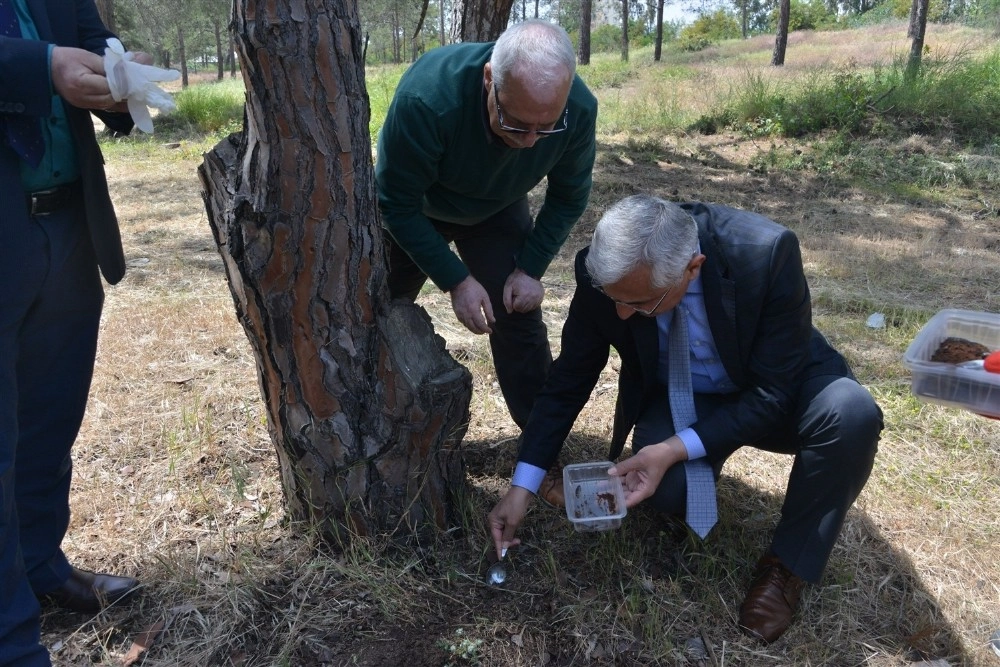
x,y
175,421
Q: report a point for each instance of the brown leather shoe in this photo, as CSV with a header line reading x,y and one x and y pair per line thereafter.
x,y
551,489
771,601
90,592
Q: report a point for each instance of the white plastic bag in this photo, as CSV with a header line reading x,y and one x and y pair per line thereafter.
x,y
134,82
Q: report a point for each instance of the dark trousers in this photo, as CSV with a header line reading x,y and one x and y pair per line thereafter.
x,y
833,435
50,308
519,342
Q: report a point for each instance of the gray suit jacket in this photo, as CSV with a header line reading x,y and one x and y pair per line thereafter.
x,y
760,315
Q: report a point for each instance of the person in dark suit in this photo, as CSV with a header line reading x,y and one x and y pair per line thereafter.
x,y
760,374
57,226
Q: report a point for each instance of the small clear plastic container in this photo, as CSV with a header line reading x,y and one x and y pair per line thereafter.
x,y
973,389
594,500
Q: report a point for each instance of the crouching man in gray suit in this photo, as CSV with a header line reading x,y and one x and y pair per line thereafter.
x,y
758,372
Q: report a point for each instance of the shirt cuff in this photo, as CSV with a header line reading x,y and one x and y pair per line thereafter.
x,y
528,476
52,89
692,443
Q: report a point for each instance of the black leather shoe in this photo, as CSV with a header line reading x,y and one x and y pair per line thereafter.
x,y
89,592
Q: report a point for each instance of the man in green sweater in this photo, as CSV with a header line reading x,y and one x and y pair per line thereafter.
x,y
471,130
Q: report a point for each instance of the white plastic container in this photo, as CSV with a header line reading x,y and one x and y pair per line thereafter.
x,y
972,389
594,500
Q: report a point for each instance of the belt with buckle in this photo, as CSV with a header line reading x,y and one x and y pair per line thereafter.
x,y
51,200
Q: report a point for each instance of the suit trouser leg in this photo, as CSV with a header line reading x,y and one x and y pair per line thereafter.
x,y
833,435
33,259
519,342
58,344
838,429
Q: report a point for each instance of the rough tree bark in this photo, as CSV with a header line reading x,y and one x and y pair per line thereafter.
x,y
479,20
365,406
781,41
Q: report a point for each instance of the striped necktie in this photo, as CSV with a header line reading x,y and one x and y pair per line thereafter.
x,y
702,512
24,133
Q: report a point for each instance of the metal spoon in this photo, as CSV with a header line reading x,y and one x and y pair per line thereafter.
x,y
497,573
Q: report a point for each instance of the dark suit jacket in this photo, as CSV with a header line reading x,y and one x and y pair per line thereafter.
x,y
760,316
24,89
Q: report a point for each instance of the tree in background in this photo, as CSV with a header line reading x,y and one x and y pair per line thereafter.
x,y
365,407
442,39
625,31
709,29
804,15
781,40
586,13
658,45
743,8
987,12
178,33
917,28
479,20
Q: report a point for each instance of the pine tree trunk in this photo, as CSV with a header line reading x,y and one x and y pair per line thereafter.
x,y
781,41
182,57
918,28
220,65
479,20
586,10
365,406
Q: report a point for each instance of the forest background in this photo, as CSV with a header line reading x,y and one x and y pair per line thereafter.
x,y
891,184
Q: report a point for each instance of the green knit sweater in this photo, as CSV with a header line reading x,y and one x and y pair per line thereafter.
x,y
437,158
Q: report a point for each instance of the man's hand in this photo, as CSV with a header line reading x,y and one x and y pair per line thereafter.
x,y
78,77
522,293
642,473
507,516
472,306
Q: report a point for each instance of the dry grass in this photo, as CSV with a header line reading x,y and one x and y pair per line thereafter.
x,y
176,480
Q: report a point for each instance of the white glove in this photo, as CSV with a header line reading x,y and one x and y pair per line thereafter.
x,y
134,81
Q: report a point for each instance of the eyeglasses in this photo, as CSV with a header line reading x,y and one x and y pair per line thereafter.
x,y
521,130
642,311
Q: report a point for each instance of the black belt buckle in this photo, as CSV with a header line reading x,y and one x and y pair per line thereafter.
x,y
44,202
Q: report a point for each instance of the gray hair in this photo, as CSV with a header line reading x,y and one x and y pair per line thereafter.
x,y
643,230
538,50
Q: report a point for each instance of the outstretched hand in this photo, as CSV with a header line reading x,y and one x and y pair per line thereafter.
x,y
506,517
642,473
78,77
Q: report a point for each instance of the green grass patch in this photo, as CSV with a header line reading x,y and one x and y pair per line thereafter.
x,y
956,94
208,108
381,82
